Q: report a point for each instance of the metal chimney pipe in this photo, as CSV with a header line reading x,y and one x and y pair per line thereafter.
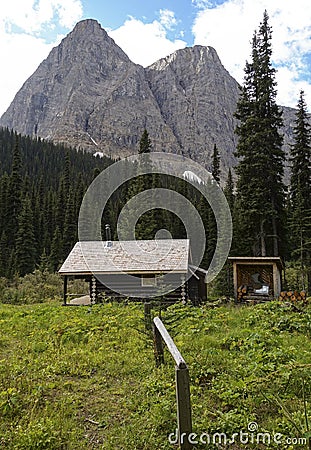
x,y
108,235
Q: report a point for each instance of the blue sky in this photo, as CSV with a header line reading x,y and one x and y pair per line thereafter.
x,y
114,14
150,29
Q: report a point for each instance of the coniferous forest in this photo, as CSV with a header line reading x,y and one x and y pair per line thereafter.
x,y
42,186
41,189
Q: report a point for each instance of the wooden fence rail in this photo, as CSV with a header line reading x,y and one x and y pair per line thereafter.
x,y
184,419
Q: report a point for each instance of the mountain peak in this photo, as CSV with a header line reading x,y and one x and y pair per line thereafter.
x,y
198,56
88,28
87,25
88,34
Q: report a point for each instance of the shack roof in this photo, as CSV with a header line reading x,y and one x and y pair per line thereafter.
x,y
143,256
253,260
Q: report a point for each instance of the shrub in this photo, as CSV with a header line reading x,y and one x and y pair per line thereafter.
x,y
35,287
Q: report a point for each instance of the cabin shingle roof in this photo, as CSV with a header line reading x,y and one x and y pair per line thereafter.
x,y
144,256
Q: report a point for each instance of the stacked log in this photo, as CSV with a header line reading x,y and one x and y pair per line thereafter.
x,y
293,296
242,291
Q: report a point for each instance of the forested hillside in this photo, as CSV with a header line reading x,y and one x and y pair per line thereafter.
x,y
41,188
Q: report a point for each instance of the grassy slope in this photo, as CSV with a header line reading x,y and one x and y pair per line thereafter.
x,y
84,378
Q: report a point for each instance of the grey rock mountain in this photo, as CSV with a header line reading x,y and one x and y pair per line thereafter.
x,y
197,98
87,93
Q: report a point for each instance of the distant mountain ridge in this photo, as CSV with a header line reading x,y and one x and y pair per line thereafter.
x,y
88,94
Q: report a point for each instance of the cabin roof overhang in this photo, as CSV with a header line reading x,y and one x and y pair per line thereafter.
x,y
130,257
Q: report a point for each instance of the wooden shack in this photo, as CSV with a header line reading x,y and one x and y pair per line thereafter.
x,y
257,278
106,266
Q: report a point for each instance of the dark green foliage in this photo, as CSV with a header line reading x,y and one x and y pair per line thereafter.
x,y
4,254
56,254
41,189
4,192
14,194
216,164
25,240
300,185
144,143
229,191
70,225
260,190
145,227
300,190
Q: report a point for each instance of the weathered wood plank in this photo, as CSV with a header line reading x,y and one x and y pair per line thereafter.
x,y
184,419
158,346
179,360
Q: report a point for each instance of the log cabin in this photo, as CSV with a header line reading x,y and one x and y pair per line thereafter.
x,y
139,270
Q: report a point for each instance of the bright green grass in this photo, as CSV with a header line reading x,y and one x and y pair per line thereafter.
x,y
84,378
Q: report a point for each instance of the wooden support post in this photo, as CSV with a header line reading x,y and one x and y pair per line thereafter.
x,y
158,346
276,281
184,419
147,314
235,281
65,290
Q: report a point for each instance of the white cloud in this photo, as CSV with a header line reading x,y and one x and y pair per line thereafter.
x,y
22,54
145,43
168,19
31,15
22,26
229,28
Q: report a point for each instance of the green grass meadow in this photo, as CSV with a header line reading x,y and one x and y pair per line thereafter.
x,y
85,377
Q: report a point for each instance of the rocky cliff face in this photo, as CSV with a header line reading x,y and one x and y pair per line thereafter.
x,y
197,98
88,94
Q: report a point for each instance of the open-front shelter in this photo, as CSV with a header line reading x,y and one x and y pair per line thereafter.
x,y
256,278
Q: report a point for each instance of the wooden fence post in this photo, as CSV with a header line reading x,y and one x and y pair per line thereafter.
x,y
184,419
65,290
147,314
158,346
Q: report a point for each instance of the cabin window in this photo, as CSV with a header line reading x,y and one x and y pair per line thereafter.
x,y
148,281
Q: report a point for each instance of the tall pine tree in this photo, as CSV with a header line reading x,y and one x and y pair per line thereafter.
x,y
229,191
300,189
216,164
144,143
14,198
300,154
146,225
25,240
260,189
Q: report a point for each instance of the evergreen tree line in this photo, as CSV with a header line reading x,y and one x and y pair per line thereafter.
x,y
41,189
